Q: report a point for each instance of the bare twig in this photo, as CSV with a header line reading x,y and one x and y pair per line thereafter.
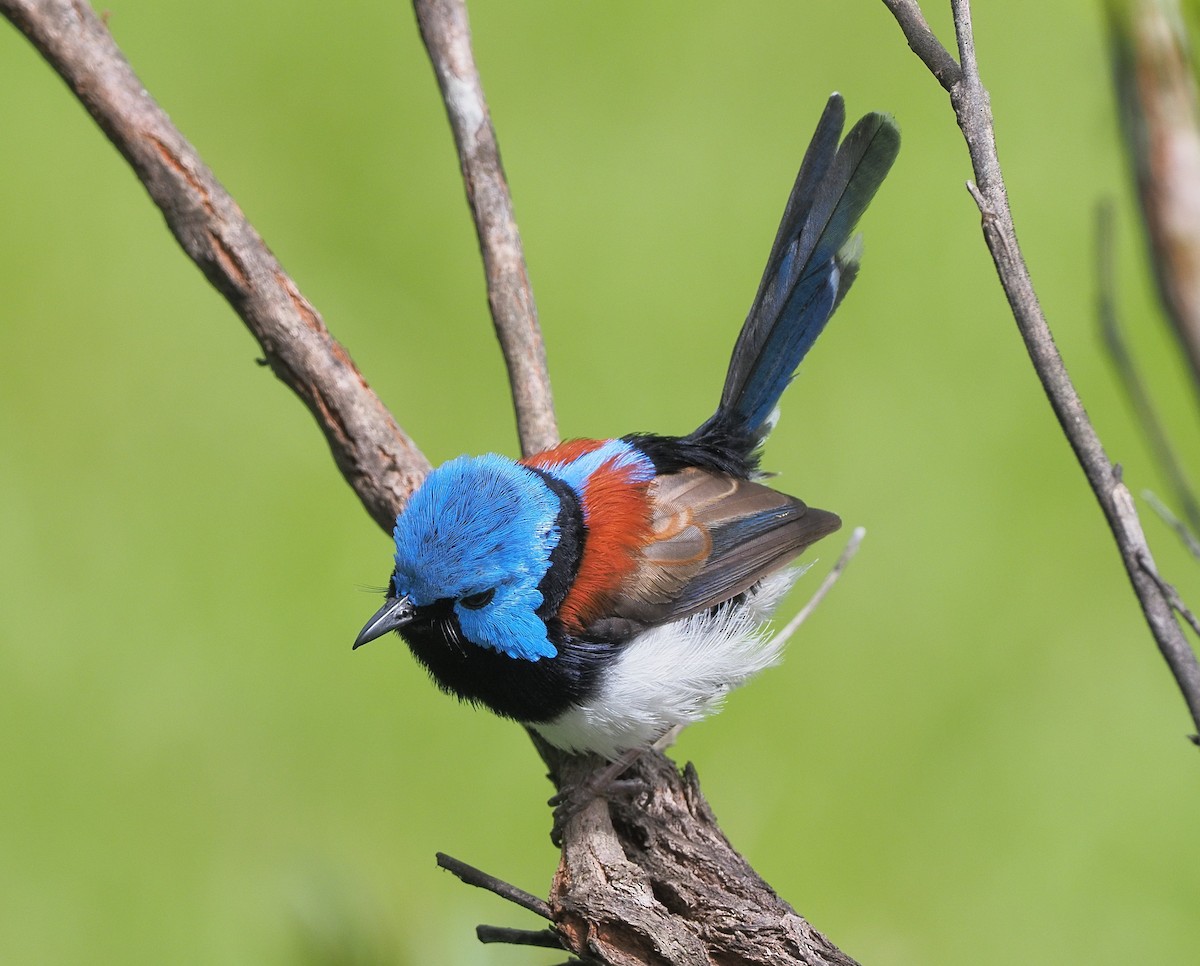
x,y
1172,595
924,43
475,877
447,36
542,938
831,578
1185,534
1127,373
971,104
377,459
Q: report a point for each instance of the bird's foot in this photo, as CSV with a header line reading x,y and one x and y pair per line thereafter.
x,y
607,783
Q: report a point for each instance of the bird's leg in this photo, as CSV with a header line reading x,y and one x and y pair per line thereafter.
x,y
607,779
599,783
605,783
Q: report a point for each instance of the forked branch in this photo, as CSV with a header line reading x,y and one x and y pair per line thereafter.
x,y
652,880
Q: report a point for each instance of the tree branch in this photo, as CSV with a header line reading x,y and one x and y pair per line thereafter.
x,y
481,880
1181,608
543,938
971,104
651,881
374,455
447,36
924,43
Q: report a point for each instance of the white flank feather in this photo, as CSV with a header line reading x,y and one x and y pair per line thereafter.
x,y
672,675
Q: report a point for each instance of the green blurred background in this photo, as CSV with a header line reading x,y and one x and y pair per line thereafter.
x,y
973,745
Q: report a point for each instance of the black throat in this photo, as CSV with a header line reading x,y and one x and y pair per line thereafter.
x,y
527,691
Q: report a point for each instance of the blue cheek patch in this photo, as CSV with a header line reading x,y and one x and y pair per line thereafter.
x,y
509,625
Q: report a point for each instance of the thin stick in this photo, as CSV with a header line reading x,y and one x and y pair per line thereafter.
x,y
542,938
971,104
831,578
1172,595
447,36
475,877
1186,536
923,42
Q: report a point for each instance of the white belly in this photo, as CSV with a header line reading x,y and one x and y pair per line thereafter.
x,y
673,675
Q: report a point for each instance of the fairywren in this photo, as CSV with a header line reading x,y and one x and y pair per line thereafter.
x,y
604,592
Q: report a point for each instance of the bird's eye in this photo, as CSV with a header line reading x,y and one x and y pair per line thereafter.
x,y
478,601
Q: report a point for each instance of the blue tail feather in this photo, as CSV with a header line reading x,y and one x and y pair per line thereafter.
x,y
813,261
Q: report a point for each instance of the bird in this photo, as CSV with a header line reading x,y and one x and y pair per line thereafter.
x,y
607,592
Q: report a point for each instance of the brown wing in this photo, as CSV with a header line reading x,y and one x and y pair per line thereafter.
x,y
714,537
